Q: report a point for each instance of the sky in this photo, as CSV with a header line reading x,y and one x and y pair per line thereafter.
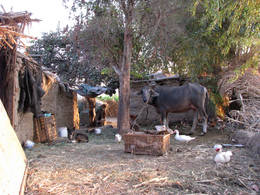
x,y
51,12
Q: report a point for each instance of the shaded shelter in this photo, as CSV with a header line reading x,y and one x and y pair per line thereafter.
x,y
11,30
13,163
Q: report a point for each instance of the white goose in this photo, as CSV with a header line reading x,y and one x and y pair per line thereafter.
x,y
182,138
221,157
118,138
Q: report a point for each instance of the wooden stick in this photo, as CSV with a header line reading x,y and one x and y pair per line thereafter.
x,y
7,43
236,120
243,184
207,181
150,181
134,122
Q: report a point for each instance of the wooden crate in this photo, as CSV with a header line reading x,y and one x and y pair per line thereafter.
x,y
141,143
45,129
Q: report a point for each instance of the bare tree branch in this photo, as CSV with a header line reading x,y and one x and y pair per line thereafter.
x,y
118,72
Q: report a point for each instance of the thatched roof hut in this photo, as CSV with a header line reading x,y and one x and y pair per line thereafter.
x,y
27,90
13,160
11,30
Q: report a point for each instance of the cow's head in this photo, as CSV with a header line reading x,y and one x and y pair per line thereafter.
x,y
148,93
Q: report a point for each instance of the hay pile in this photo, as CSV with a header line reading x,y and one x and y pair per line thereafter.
x,y
12,26
112,108
245,91
248,138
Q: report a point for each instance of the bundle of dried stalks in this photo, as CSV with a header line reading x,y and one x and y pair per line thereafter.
x,y
8,37
246,91
248,116
112,108
248,85
12,27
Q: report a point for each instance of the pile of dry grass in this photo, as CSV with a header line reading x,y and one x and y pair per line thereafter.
x,y
248,138
246,91
112,108
12,27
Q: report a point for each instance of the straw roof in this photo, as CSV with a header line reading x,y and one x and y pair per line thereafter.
x,y
12,26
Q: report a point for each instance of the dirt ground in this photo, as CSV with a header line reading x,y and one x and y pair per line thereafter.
x,y
101,167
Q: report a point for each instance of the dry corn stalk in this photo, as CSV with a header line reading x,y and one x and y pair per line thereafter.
x,y
12,27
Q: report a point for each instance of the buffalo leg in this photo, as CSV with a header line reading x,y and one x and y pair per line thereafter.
x,y
205,125
167,122
204,114
164,119
195,121
205,120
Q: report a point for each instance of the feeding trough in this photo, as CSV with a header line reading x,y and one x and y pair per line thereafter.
x,y
143,143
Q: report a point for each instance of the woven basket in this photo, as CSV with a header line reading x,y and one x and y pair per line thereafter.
x,y
45,129
141,143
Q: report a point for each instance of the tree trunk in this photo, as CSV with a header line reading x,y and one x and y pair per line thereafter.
x,y
123,122
124,101
7,81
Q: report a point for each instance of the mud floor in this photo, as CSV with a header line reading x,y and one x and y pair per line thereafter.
x,y
101,167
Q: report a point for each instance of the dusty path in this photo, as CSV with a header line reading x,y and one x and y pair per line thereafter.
x,y
102,167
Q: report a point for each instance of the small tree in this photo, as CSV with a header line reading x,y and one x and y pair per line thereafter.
x,y
225,34
58,52
118,34
106,39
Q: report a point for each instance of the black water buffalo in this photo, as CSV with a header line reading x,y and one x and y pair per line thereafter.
x,y
190,96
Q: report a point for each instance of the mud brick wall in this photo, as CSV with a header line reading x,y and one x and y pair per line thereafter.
x,y
63,105
67,110
49,100
24,129
23,122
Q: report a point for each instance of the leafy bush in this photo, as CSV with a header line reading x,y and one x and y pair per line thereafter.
x,y
107,97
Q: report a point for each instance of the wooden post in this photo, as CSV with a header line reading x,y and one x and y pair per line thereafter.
x,y
92,112
9,96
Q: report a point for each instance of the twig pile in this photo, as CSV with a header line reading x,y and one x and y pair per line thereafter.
x,y
12,27
249,116
112,108
246,89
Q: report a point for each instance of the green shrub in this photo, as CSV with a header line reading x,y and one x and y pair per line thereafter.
x,y
107,97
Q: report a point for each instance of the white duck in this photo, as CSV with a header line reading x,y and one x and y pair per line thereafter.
x,y
182,138
118,138
98,131
221,157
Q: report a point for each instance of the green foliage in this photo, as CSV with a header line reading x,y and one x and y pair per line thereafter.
x,y
185,37
58,52
55,51
216,35
107,97
224,30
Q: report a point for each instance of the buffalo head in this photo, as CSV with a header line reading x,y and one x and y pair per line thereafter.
x,y
148,93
